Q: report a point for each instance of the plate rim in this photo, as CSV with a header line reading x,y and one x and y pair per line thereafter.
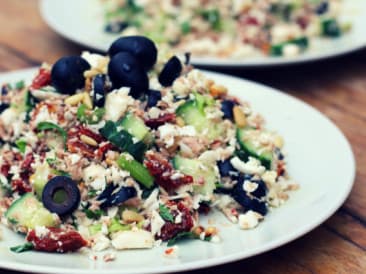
x,y
210,262
214,62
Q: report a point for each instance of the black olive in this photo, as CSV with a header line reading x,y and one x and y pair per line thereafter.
x,y
107,192
61,195
247,202
322,8
67,74
4,89
187,56
100,88
261,190
154,96
116,27
3,106
225,167
118,197
170,72
125,71
227,108
142,48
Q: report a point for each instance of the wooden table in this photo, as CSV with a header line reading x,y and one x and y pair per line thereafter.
x,y
336,87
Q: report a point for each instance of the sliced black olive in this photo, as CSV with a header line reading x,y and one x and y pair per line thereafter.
x,y
125,71
227,108
154,96
107,192
3,106
261,190
100,88
322,7
116,27
61,195
247,202
67,74
142,48
225,167
170,72
187,56
118,197
4,89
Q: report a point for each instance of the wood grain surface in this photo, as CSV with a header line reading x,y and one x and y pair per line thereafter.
x,y
336,87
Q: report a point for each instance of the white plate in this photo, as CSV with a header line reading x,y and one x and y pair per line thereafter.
x,y
319,158
82,21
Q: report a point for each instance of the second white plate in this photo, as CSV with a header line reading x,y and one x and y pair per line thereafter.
x,y
319,158
82,22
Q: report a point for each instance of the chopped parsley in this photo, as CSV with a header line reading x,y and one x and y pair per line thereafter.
x,y
165,213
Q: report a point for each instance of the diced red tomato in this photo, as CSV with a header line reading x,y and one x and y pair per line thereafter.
x,y
57,240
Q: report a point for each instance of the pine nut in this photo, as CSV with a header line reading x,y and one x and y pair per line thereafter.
x,y
239,117
74,99
87,100
130,216
88,140
218,90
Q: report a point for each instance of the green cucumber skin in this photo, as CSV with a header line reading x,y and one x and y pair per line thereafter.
x,y
191,167
28,212
135,126
265,159
192,112
137,170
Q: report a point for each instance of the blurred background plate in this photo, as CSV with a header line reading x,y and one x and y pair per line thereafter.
x,y
82,21
319,159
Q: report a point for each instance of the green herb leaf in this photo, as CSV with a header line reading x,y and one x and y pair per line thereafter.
x,y
213,17
19,84
165,213
182,236
93,214
92,193
21,145
61,173
22,248
80,114
185,27
52,126
30,103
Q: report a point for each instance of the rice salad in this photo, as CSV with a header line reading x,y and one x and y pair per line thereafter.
x,y
228,29
126,151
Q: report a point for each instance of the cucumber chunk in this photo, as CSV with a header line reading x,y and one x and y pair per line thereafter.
x,y
135,126
137,170
28,212
248,141
200,172
192,112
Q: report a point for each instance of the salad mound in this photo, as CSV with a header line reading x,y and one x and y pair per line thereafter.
x,y
228,29
125,151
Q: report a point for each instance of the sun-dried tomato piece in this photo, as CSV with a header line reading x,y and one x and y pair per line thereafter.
x,y
56,240
42,79
161,120
75,145
164,173
170,229
27,162
5,169
21,186
103,149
